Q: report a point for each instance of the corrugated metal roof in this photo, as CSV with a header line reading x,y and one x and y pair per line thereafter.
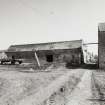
x,y
101,26
47,46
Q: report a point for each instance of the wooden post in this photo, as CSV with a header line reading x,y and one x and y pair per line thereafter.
x,y
37,59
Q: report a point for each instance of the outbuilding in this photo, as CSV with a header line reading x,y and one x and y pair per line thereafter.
x,y
48,53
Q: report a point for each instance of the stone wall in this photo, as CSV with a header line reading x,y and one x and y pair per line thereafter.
x,y
58,56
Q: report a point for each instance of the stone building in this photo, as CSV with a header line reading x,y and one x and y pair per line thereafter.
x,y
101,45
48,53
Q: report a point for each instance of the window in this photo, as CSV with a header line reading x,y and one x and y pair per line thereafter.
x,y
49,58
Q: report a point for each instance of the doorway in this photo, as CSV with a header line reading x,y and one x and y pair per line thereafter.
x,y
49,58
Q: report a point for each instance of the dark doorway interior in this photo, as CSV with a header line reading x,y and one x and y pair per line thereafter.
x,y
49,58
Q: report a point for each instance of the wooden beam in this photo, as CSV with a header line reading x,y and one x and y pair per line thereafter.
x,y
37,59
89,43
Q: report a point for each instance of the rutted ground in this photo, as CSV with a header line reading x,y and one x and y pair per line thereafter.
x,y
82,93
57,92
15,85
99,87
90,91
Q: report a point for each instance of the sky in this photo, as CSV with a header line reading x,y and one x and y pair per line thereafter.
x,y
38,21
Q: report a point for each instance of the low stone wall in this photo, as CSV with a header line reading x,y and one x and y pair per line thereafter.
x,y
56,93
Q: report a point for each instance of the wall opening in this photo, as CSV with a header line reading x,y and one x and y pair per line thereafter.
x,y
49,58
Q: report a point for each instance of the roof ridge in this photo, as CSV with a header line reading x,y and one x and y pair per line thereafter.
x,y
46,43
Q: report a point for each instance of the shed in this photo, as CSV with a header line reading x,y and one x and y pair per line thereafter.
x,y
52,52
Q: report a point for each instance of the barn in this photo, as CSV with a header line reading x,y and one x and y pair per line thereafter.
x,y
48,53
101,45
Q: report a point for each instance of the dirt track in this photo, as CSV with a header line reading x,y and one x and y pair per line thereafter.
x,y
17,85
82,93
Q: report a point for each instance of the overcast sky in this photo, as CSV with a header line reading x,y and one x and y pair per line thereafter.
x,y
34,21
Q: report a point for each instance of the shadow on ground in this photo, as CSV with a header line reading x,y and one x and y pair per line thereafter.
x,y
83,66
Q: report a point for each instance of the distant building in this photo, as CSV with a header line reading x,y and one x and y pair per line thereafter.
x,y
47,53
101,45
3,54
